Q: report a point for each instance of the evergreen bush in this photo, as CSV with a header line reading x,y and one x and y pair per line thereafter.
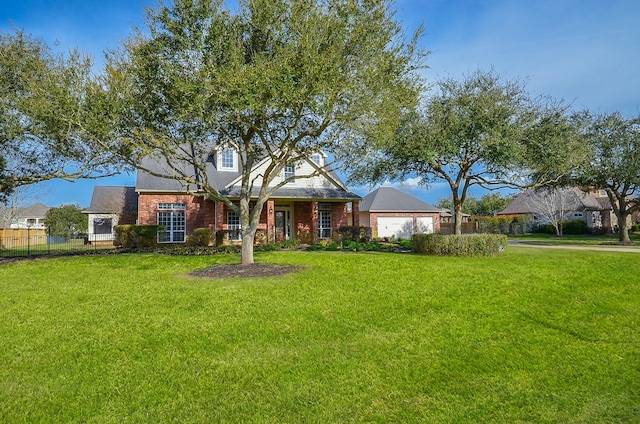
x,y
200,237
458,245
137,236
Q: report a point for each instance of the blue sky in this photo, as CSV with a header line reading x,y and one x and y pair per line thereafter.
x,y
583,51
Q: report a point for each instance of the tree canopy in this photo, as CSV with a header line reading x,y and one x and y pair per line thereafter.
x,y
270,79
66,221
487,205
42,115
614,165
478,131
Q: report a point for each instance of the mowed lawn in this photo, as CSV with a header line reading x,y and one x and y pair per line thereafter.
x,y
532,336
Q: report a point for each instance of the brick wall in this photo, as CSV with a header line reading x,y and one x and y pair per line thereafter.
x,y
303,217
200,211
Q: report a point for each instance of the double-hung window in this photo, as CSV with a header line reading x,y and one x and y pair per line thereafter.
x,y
234,229
324,220
172,217
290,173
317,158
228,160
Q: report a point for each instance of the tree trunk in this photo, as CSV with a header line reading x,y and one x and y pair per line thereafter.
x,y
623,228
247,246
458,218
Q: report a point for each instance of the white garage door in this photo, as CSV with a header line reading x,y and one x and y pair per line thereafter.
x,y
425,225
395,226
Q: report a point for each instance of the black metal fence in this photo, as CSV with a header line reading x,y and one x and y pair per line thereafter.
x,y
31,242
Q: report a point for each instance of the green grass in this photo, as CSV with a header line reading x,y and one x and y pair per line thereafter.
x,y
535,335
573,239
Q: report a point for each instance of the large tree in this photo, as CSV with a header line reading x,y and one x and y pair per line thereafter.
x,y
66,221
42,115
615,164
479,131
271,79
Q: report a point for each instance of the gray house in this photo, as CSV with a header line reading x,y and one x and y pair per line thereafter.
x,y
592,207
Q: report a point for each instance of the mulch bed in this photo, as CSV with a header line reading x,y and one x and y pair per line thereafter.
x,y
246,271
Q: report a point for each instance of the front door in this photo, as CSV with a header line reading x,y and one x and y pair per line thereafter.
x,y
283,217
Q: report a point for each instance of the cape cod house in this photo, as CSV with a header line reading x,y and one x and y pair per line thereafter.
x,y
307,209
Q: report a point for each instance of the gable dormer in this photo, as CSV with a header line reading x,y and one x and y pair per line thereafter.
x,y
226,160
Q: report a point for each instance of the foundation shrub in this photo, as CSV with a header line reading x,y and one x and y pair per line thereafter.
x,y
200,237
355,233
137,236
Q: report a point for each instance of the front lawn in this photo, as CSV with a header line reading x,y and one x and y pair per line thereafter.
x,y
535,335
609,239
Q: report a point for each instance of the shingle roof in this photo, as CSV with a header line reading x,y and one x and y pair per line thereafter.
x,y
37,210
219,179
113,199
521,204
389,199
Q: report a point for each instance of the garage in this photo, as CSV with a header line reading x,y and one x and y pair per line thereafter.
x,y
425,225
400,227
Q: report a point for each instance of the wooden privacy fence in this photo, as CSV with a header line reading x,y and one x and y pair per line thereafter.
x,y
467,227
12,238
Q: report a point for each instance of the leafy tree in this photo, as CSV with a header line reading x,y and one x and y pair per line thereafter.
x,y
66,221
488,205
480,131
272,79
615,164
42,115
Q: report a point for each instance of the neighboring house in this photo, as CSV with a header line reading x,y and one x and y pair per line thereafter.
x,y
593,207
110,206
447,216
306,209
392,213
29,217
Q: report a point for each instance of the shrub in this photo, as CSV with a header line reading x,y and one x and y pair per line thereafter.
x,y
577,226
504,224
545,229
137,236
355,233
405,243
635,228
200,237
290,244
458,245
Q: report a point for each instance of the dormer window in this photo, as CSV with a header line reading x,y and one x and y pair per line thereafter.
x,y
290,173
317,158
227,160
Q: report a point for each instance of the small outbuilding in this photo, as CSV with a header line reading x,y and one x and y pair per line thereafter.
x,y
392,213
110,206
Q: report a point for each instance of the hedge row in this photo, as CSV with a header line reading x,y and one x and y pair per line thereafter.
x,y
513,225
458,245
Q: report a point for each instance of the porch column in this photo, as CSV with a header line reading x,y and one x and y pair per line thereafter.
x,y
219,223
271,221
355,214
314,221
